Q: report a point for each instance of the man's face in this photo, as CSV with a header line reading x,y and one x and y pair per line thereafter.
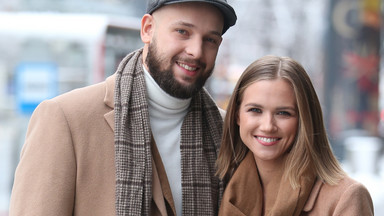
x,y
182,51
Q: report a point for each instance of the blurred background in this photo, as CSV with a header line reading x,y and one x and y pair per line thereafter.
x,y
49,47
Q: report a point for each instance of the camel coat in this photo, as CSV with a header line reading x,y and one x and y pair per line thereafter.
x,y
349,198
67,164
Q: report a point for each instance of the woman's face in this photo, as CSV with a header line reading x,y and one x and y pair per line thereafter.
x,y
268,119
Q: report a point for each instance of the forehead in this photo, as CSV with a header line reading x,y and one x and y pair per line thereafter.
x,y
199,13
194,6
270,91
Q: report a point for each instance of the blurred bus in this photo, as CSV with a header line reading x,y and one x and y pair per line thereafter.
x,y
46,54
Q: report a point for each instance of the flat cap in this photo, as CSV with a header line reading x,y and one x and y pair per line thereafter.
x,y
228,12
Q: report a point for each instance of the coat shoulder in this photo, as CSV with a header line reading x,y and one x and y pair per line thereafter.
x,y
87,94
348,196
90,99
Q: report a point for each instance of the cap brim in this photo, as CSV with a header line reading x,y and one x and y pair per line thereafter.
x,y
228,12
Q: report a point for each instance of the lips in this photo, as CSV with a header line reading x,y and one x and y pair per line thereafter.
x,y
187,67
267,141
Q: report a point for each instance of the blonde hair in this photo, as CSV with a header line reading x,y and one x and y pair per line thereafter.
x,y
311,152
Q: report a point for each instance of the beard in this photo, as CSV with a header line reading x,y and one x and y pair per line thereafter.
x,y
165,77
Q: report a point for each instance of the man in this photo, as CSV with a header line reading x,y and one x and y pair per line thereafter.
x,y
144,142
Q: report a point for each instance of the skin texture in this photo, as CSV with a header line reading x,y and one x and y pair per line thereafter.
x,y
181,45
268,120
268,123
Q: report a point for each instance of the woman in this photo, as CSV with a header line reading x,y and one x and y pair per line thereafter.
x,y
275,152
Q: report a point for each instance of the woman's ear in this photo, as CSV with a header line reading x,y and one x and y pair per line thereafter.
x,y
147,28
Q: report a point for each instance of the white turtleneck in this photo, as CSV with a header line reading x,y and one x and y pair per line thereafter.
x,y
166,117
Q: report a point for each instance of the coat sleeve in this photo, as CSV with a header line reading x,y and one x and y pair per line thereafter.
x,y
45,178
355,201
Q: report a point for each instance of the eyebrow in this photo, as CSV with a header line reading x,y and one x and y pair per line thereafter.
x,y
193,26
287,108
278,108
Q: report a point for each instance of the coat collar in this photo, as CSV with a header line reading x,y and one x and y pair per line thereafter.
x,y
158,195
244,194
313,196
109,100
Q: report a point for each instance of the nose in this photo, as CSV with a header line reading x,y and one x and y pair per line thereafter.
x,y
268,123
194,48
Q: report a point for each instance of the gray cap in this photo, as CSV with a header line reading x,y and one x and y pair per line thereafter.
x,y
228,12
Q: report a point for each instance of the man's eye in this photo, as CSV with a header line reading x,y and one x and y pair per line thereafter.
x,y
181,31
211,40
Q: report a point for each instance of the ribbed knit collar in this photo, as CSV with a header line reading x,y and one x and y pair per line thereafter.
x,y
162,101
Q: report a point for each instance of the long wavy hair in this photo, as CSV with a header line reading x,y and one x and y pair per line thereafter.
x,y
310,153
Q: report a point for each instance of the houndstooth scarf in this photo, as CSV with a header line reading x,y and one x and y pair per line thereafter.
x,y
200,140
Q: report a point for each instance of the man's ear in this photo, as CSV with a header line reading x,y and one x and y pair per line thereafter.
x,y
147,28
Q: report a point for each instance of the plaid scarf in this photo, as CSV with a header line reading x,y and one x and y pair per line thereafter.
x,y
199,145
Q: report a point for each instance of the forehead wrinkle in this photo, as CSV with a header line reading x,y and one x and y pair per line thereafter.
x,y
163,13
183,23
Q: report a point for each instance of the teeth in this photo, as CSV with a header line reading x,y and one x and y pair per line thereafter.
x,y
265,139
187,67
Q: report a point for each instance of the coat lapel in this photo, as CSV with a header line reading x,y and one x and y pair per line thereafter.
x,y
243,194
109,101
313,196
158,197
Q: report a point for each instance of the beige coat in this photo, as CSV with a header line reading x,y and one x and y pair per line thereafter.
x,y
67,164
349,198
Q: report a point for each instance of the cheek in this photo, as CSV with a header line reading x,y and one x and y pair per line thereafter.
x,y
246,126
291,131
242,120
167,44
211,57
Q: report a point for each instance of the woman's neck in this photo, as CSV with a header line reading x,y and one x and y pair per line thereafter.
x,y
269,170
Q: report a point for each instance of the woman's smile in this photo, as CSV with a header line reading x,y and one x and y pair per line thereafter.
x,y
268,118
267,141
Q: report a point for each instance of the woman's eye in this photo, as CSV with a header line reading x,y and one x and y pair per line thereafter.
x,y
284,113
257,110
